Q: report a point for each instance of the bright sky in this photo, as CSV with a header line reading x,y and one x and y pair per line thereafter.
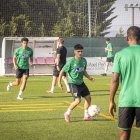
x,y
124,18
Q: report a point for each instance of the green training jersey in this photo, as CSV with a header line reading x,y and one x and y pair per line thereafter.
x,y
127,64
109,53
75,70
23,56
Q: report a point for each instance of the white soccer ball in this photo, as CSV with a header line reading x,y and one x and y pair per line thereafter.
x,y
93,110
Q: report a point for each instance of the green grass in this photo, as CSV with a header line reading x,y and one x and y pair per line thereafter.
x,y
40,115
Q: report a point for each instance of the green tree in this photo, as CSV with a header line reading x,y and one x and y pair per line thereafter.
x,y
121,33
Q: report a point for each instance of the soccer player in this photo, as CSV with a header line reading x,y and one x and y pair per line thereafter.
x,y
110,56
127,68
60,61
22,59
76,69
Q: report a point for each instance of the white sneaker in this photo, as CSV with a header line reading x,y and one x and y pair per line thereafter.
x,y
8,87
50,91
19,98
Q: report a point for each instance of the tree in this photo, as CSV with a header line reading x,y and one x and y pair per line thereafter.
x,y
54,17
121,33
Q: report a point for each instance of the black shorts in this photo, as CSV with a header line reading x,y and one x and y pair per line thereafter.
x,y
56,72
21,72
79,91
127,116
110,59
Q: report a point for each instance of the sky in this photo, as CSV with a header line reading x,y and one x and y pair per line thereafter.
x,y
124,18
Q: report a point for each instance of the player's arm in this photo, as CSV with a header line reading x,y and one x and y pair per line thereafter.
x,y
58,62
31,59
14,62
113,90
108,49
88,76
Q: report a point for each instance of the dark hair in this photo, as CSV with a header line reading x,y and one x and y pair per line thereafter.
x,y
107,39
78,47
133,32
61,40
24,39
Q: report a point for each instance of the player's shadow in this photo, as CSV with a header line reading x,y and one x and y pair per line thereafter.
x,y
37,97
102,90
80,119
73,120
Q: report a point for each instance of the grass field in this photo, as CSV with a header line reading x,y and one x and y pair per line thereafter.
x,y
40,115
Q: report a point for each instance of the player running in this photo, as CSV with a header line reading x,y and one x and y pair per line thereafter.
x,y
22,59
76,69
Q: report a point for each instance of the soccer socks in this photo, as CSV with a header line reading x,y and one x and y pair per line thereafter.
x,y
86,113
68,111
52,88
20,93
10,84
68,88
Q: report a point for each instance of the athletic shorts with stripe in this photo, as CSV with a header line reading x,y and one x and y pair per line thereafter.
x,y
79,91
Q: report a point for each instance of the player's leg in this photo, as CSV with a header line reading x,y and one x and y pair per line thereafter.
x,y
106,67
19,74
126,119
125,134
87,103
54,80
70,108
108,60
77,100
25,75
86,94
66,83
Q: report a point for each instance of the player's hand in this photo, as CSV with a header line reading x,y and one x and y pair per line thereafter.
x,y
60,85
112,108
15,67
58,68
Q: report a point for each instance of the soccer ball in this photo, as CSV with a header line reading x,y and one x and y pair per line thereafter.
x,y
93,110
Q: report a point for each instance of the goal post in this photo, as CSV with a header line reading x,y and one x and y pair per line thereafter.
x,y
43,58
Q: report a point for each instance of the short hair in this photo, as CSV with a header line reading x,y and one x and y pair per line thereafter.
x,y
78,47
107,39
24,39
61,40
133,32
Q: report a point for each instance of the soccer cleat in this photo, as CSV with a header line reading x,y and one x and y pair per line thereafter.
x,y
104,74
50,91
88,118
8,87
67,117
19,98
67,91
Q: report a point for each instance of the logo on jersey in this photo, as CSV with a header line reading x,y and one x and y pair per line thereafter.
x,y
25,56
79,69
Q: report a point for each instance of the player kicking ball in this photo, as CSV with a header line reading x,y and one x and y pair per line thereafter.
x,y
76,69
23,58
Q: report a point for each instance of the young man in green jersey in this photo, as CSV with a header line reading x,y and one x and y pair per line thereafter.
x,y
110,56
22,59
76,69
127,68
